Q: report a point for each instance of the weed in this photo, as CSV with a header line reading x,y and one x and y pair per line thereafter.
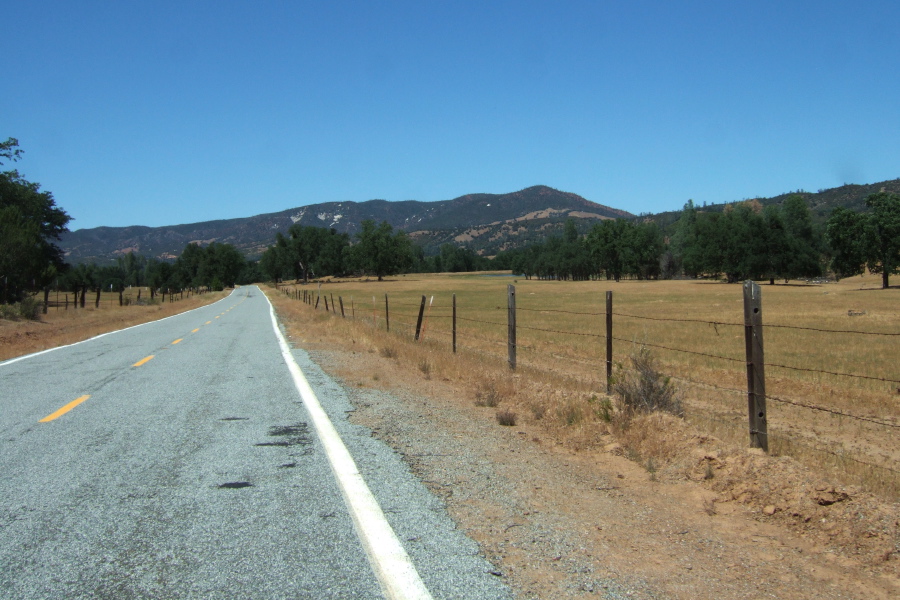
x,y
425,367
488,394
388,352
507,418
644,389
709,472
604,410
538,410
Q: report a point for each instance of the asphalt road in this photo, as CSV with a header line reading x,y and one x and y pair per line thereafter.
x,y
199,473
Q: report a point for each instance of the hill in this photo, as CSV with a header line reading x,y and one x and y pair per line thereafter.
x,y
484,222
821,203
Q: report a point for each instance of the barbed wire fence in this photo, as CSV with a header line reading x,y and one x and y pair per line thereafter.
x,y
417,320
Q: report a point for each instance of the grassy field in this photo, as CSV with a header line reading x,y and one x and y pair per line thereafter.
x,y
847,427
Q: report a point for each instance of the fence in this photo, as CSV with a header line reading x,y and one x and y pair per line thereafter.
x,y
56,300
716,359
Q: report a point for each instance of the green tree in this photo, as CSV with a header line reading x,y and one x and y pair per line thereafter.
x,y
845,232
30,222
882,235
379,251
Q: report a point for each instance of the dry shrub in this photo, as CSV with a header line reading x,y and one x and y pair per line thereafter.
x,y
488,393
655,438
425,367
506,418
388,352
643,389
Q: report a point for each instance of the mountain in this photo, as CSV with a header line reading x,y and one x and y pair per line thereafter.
x,y
485,222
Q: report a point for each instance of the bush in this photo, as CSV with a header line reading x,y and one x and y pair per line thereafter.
x,y
643,389
29,308
488,394
507,418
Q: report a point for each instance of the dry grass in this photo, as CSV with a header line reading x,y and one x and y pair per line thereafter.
x,y
60,326
560,379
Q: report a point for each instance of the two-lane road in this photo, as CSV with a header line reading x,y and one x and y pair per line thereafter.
x,y
177,459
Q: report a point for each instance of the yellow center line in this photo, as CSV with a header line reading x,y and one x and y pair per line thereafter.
x,y
176,341
143,360
208,322
217,317
195,330
64,409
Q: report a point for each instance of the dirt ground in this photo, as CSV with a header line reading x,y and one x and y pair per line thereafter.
x,y
583,520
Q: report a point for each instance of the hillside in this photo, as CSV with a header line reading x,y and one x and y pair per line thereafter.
x,y
485,222
821,203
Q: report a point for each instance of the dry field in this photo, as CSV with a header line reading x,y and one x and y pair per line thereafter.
x,y
847,383
66,325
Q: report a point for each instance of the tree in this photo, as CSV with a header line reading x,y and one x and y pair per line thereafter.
x,y
882,235
379,251
844,233
30,221
804,242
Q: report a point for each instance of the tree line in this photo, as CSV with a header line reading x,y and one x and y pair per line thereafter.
x,y
377,250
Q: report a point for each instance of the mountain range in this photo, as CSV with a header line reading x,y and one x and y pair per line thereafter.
x,y
486,223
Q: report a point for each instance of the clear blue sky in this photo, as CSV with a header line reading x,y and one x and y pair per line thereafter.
x,y
159,113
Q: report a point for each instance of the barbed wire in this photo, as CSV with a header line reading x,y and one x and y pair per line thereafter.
x,y
831,411
480,321
715,323
561,332
831,330
841,456
554,310
649,345
837,373
707,385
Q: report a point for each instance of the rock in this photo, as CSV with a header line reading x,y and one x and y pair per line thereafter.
x,y
829,496
769,510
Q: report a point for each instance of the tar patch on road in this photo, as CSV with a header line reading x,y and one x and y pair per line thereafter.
x,y
290,435
233,485
235,419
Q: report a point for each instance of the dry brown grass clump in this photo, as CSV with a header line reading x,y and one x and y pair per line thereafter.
x,y
506,417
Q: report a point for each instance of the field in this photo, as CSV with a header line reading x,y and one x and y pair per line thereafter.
x,y
831,372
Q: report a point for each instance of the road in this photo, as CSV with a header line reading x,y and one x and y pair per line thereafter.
x,y
178,460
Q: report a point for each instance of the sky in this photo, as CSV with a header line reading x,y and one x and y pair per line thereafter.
x,y
162,113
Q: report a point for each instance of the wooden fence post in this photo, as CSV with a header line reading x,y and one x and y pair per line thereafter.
x,y
756,378
333,307
511,325
454,323
343,316
316,307
387,314
326,303
609,342
419,322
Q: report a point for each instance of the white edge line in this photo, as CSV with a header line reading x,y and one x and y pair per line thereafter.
x,y
389,561
97,337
